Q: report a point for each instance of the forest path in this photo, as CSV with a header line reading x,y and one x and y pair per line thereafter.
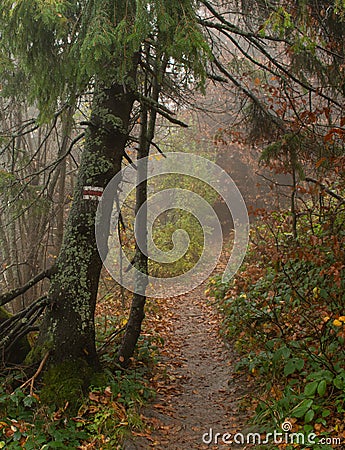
x,y
199,391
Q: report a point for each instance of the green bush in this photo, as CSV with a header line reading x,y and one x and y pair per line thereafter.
x,y
286,313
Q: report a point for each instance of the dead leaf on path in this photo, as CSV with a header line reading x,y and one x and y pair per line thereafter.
x,y
145,435
163,407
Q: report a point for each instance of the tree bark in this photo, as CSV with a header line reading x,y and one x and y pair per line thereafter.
x,y
137,313
147,131
68,330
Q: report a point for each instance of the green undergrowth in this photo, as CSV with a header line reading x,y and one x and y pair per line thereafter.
x,y
101,419
285,313
102,415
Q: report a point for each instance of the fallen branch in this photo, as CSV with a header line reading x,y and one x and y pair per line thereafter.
x,y
31,381
14,293
23,321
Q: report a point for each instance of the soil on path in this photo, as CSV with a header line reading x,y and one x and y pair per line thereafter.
x,y
200,395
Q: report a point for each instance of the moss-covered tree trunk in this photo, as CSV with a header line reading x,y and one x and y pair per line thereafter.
x,y
68,331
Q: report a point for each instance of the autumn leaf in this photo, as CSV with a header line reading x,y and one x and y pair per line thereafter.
x,y
320,162
94,396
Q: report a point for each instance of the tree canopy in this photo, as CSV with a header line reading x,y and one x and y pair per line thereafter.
x,y
63,47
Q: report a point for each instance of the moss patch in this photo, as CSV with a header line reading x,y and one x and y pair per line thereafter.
x,y
38,352
99,379
4,314
66,382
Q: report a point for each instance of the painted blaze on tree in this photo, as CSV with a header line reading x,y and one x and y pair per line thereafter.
x,y
66,49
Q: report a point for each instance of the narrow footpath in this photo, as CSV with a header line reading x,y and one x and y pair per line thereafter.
x,y
200,395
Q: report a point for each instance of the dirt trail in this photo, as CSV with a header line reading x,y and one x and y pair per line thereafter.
x,y
201,391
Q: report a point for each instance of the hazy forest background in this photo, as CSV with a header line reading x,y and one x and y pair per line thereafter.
x,y
89,86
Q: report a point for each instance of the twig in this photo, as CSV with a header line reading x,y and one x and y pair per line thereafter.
x,y
160,109
325,188
31,380
276,183
110,338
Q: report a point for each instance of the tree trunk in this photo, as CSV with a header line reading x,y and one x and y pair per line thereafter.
x,y
137,312
68,331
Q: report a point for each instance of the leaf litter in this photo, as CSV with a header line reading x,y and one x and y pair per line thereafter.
x,y
197,387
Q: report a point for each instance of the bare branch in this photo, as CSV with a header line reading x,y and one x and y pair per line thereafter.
x,y
160,109
14,293
326,189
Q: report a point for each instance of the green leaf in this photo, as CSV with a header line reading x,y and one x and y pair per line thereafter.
x,y
292,365
339,382
29,401
308,428
322,387
301,410
56,444
310,388
282,352
17,436
309,416
321,375
326,413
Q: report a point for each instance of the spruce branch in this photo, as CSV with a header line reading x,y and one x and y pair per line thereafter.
x,y
276,120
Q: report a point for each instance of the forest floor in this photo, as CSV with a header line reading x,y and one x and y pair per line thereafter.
x,y
198,392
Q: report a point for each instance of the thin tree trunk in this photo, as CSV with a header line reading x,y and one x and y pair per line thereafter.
x,y
137,312
60,208
293,194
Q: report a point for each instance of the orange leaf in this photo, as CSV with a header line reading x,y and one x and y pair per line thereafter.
x,y
107,391
327,112
94,396
328,137
319,162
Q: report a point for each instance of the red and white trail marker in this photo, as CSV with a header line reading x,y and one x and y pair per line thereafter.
x,y
92,193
